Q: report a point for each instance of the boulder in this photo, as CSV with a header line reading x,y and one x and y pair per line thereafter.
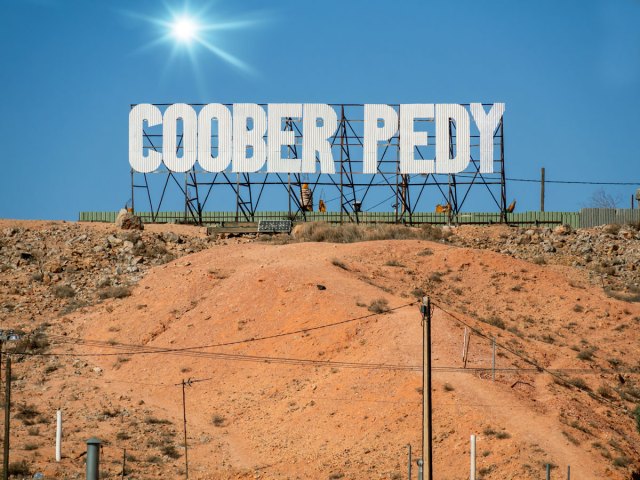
x,y
128,221
170,237
562,229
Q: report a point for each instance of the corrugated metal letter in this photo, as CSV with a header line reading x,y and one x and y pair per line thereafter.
x,y
316,137
243,138
460,116
487,124
277,137
225,146
409,138
189,144
374,134
137,116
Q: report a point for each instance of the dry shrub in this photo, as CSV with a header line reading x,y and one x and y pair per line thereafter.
x,y
34,343
114,292
19,469
380,305
351,232
612,229
339,263
218,420
63,291
625,297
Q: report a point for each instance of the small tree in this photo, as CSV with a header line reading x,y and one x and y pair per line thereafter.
x,y
602,199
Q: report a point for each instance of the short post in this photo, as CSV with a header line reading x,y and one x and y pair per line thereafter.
x,y
420,470
409,462
93,458
58,435
7,420
493,363
548,471
124,462
542,189
568,472
472,472
464,343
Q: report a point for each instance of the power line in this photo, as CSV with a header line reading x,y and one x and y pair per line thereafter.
x,y
570,182
150,349
535,364
338,364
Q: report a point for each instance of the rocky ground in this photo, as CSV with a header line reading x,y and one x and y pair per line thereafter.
x,y
610,253
567,300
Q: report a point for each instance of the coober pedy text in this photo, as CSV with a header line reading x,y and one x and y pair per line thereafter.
x,y
251,137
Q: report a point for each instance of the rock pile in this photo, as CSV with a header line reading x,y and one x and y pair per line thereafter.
x,y
61,266
610,252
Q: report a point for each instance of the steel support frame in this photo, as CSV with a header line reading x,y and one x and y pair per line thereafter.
x,y
200,189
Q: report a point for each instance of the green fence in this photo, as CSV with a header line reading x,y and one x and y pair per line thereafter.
x,y
520,218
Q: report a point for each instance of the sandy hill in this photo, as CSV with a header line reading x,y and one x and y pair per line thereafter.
x,y
341,401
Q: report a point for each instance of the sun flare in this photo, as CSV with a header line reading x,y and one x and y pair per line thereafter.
x,y
184,29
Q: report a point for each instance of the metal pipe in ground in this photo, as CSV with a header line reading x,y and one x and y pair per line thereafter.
x,y
7,420
409,462
420,469
93,458
548,471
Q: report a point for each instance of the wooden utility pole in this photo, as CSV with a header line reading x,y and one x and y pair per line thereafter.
x,y
184,415
426,389
542,189
7,418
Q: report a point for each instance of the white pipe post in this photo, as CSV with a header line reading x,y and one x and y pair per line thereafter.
x,y
472,475
58,436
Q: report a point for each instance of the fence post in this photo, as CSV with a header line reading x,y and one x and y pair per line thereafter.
x,y
472,473
409,462
58,436
548,471
93,458
493,362
464,344
568,472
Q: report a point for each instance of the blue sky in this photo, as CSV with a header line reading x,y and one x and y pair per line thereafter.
x,y
569,73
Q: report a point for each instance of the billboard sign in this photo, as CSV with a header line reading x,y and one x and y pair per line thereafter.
x,y
247,137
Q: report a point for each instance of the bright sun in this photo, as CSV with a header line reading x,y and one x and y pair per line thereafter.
x,y
184,29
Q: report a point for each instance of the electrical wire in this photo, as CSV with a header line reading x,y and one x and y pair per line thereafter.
x,y
570,182
536,365
150,350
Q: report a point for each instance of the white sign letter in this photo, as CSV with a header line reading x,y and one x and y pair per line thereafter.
x,y
487,124
206,160
409,138
137,116
374,134
315,138
444,162
243,138
189,137
278,137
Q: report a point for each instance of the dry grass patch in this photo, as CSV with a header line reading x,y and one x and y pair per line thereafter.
x,y
351,232
114,292
379,305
